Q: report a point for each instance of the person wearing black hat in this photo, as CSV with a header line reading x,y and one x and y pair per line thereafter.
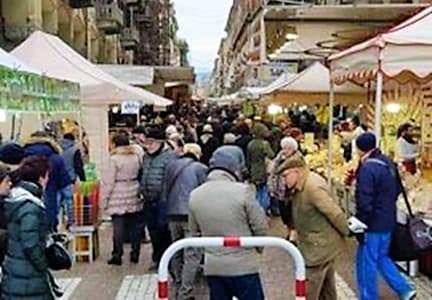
x,y
377,190
159,155
11,154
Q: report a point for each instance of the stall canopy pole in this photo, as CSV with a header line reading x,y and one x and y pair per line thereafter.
x,y
378,105
330,132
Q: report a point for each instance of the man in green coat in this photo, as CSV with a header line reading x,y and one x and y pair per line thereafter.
x,y
259,154
320,224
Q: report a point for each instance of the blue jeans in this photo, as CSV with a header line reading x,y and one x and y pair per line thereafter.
x,y
372,256
246,287
263,196
66,198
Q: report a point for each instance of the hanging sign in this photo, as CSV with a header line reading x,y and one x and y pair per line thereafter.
x,y
130,107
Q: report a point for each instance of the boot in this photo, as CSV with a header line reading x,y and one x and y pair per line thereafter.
x,y
134,258
116,261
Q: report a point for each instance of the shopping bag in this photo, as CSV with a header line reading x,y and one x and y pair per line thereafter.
x,y
410,240
263,196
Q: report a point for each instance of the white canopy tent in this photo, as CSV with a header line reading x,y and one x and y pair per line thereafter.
x,y
312,87
402,54
56,59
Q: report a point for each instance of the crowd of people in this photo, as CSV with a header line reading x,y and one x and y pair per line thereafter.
x,y
216,173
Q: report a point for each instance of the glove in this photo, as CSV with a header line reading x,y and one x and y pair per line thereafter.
x,y
357,229
356,226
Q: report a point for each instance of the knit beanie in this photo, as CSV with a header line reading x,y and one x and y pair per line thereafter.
x,y
11,154
366,142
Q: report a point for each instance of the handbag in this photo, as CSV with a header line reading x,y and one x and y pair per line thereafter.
x,y
410,240
57,255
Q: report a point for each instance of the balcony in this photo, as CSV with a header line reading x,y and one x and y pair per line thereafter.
x,y
143,18
129,38
131,2
81,3
109,18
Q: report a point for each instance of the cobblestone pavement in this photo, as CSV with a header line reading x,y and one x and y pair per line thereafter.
x,y
100,281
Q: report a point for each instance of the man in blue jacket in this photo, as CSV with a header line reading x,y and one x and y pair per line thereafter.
x,y
40,144
377,191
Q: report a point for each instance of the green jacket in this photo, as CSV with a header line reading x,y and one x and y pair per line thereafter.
x,y
258,151
25,270
321,224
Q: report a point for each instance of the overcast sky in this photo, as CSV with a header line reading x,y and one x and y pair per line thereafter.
x,y
202,24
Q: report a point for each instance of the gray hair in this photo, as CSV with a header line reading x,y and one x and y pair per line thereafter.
x,y
290,143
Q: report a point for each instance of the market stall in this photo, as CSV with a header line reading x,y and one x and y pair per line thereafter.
x,y
28,97
298,90
98,89
397,65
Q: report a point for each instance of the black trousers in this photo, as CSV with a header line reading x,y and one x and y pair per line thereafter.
x,y
126,224
157,225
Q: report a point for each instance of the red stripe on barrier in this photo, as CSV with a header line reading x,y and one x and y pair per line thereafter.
x,y
232,242
300,288
163,289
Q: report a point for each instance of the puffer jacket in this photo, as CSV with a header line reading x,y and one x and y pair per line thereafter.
x,y
183,176
59,177
25,270
153,174
258,151
121,182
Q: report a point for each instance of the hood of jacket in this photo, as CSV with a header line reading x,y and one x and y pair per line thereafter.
x,y
24,191
41,146
260,131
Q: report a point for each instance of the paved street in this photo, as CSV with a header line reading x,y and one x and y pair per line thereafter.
x,y
100,281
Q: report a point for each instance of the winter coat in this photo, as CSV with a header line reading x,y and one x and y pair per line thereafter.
x,y
243,142
153,174
121,182
320,223
208,144
58,175
224,207
25,270
377,190
183,176
73,160
258,151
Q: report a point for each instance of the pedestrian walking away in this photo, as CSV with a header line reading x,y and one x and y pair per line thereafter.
x,y
184,175
225,207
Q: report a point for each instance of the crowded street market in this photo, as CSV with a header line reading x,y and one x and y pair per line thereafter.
x,y
236,149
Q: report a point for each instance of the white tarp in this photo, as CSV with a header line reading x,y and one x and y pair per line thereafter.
x,y
56,59
316,79
256,92
14,63
131,74
405,51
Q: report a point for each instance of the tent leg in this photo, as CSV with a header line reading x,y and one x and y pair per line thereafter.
x,y
378,105
330,134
